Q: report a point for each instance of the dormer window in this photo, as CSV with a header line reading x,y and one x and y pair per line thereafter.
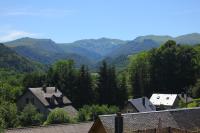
x,y
50,100
158,97
59,100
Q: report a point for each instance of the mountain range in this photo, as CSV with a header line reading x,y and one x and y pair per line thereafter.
x,y
91,51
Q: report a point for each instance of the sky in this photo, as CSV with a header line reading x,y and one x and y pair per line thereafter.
x,y
70,20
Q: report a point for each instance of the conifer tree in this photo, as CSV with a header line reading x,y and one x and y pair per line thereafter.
x,y
84,90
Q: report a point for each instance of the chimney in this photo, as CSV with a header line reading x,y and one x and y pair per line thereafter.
x,y
143,101
44,88
118,123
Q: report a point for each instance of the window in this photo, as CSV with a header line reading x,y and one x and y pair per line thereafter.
x,y
167,98
158,97
32,100
27,100
38,110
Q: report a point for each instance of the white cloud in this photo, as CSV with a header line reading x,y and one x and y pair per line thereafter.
x,y
8,36
36,12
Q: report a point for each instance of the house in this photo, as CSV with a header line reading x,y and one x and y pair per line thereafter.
x,y
165,101
138,105
45,99
59,128
169,101
184,119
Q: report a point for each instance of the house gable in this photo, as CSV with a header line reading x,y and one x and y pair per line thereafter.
x,y
46,100
129,108
97,127
29,97
139,105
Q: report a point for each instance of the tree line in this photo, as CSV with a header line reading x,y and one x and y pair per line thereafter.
x,y
172,68
81,86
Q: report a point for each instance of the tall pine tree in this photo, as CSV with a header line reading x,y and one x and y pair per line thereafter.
x,y
84,90
107,85
122,95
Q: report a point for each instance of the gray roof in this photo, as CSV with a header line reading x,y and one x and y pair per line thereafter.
x,y
62,128
55,93
177,118
138,104
50,91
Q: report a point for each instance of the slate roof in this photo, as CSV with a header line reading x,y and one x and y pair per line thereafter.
x,y
50,91
138,104
62,128
176,118
163,99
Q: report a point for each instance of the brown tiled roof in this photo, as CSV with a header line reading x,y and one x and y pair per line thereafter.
x,y
64,128
177,118
50,91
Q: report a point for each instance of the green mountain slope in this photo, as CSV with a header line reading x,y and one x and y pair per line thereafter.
x,y
102,46
92,51
9,59
44,51
133,47
189,39
158,39
93,56
47,51
148,42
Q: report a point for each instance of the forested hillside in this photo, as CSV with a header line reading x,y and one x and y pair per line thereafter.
x,y
45,51
9,59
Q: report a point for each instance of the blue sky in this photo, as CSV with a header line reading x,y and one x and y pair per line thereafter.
x,y
70,20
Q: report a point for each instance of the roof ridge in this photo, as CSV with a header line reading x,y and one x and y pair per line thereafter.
x,y
170,110
165,94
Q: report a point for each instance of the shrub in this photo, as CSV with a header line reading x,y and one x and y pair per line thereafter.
x,y
193,104
57,116
88,113
196,89
30,116
8,115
